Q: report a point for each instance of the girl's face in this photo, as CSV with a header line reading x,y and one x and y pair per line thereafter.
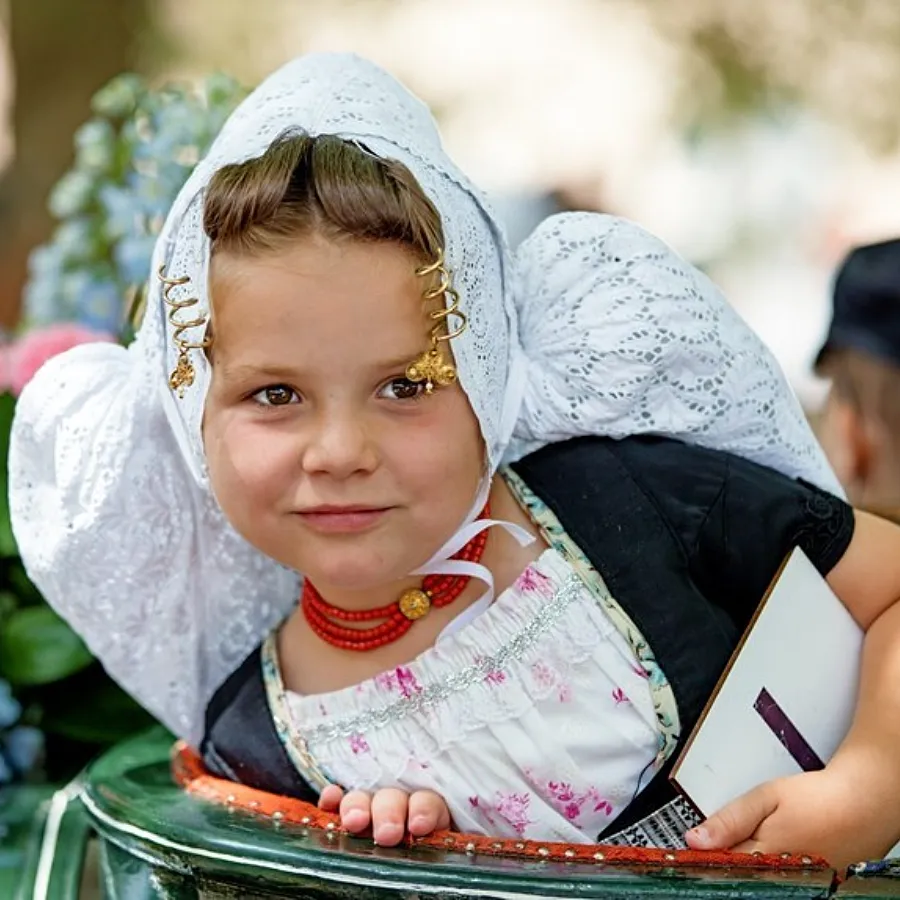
x,y
321,453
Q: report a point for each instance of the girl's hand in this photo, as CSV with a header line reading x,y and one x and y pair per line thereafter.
x,y
390,812
816,813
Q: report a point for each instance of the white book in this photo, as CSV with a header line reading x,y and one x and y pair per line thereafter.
x,y
787,698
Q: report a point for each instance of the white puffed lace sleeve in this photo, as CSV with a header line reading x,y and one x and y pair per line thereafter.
x,y
111,527
621,336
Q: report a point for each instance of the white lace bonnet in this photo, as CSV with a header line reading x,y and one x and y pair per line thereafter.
x,y
593,327
619,335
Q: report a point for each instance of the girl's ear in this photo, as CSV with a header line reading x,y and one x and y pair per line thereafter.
x,y
847,444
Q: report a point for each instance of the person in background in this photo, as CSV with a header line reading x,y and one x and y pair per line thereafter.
x,y
860,427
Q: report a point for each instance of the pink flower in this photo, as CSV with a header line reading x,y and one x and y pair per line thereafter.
x,y
604,806
385,681
20,361
542,674
358,744
620,696
531,580
406,682
562,791
514,808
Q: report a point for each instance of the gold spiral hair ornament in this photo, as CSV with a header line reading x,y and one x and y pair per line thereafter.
x,y
183,374
431,366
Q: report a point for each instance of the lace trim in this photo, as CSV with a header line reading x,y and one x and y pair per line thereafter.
x,y
664,702
477,673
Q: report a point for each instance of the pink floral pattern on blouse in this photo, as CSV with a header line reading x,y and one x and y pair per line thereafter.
x,y
532,720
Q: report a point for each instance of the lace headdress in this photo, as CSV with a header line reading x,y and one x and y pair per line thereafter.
x,y
594,327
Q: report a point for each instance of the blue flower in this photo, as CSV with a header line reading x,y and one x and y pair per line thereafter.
x,y
130,164
95,146
119,98
122,210
133,256
10,708
101,306
71,194
6,772
24,748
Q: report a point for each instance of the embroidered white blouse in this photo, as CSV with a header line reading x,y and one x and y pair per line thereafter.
x,y
540,719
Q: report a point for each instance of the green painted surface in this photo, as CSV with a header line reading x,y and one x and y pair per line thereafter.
x,y
156,843
22,814
180,847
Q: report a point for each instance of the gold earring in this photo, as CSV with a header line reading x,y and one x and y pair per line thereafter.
x,y
430,366
183,374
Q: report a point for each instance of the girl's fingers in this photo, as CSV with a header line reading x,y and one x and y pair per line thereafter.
x,y
389,810
427,813
356,811
330,798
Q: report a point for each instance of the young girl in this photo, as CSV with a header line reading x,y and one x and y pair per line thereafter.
x,y
505,616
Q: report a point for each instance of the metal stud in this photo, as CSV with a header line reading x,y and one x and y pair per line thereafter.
x,y
599,856
570,854
543,851
470,847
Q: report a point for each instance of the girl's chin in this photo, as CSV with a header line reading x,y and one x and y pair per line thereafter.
x,y
351,580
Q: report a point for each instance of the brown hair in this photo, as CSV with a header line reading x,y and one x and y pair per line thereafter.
x,y
305,185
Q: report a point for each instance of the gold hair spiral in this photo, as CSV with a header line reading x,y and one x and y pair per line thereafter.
x,y
430,366
183,374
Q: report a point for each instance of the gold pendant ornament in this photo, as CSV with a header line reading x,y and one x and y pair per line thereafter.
x,y
431,368
183,374
414,604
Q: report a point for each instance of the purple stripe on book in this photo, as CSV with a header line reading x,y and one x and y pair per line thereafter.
x,y
786,732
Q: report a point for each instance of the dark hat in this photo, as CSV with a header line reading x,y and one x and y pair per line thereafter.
x,y
866,313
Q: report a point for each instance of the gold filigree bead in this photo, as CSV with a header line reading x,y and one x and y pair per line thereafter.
x,y
414,604
431,368
182,375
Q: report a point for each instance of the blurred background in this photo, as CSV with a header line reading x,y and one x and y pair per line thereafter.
x,y
759,139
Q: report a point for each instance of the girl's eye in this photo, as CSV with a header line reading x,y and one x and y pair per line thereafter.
x,y
276,395
402,389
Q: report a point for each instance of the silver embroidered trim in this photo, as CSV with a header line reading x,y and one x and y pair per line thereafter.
x,y
437,692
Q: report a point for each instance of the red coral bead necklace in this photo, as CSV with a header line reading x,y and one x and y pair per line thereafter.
x,y
397,617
